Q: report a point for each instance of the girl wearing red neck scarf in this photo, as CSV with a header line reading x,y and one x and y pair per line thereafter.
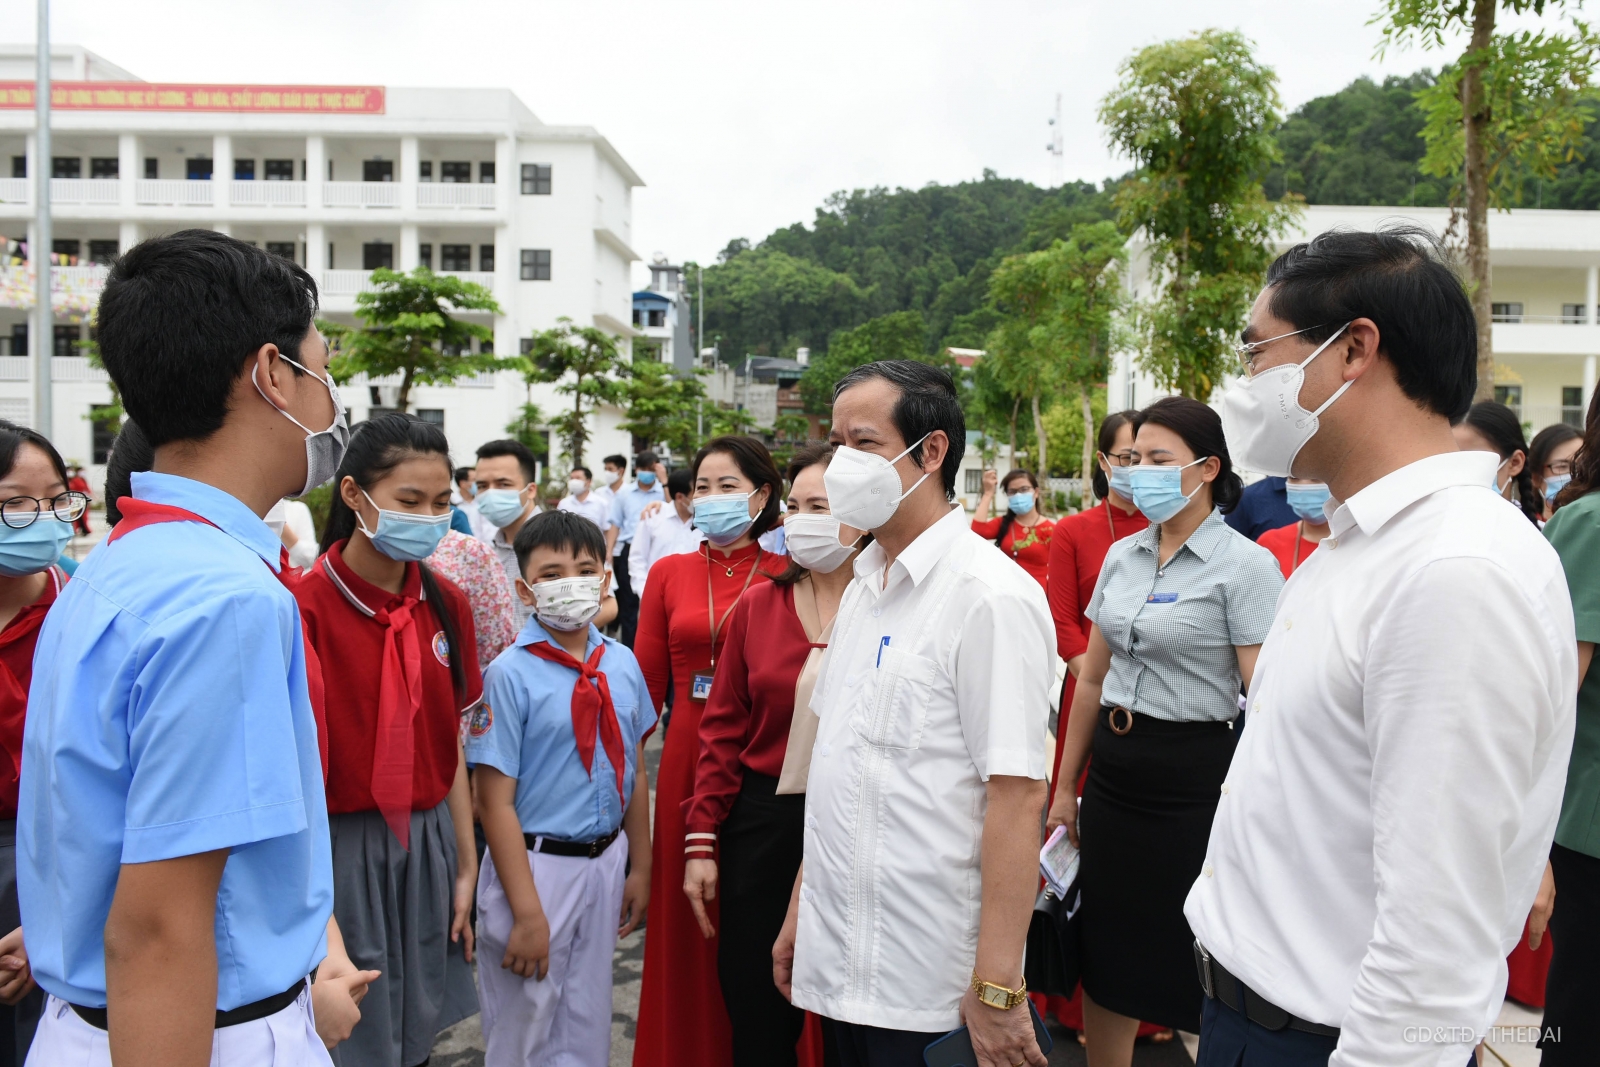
x,y
398,652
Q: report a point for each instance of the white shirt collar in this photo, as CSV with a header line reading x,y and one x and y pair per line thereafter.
x,y
922,554
1374,506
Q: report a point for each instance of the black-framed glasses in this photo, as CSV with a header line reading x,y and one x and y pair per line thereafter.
x,y
1558,466
1121,459
19,512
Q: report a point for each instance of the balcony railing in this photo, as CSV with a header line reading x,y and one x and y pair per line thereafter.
x,y
62,369
351,282
15,190
85,190
173,192
361,194
456,194
1562,320
267,194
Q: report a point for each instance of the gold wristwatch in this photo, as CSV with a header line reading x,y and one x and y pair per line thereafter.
x,y
998,996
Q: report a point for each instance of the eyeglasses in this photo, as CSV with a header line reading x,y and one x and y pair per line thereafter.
x,y
1558,466
1121,459
19,512
1249,351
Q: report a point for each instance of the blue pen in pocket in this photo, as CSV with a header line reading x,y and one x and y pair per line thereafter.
x,y
881,646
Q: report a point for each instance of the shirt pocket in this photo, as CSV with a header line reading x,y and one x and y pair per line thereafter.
x,y
890,706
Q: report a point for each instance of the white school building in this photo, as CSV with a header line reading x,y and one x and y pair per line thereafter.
x,y
343,179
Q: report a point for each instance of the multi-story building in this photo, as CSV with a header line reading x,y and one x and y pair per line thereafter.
x,y
1546,298
661,315
342,179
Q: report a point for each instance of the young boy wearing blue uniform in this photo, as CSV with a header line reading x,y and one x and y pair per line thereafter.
x,y
565,806
173,860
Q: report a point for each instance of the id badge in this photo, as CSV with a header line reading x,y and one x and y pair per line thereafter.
x,y
701,689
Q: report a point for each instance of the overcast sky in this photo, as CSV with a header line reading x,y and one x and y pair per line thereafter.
x,y
742,116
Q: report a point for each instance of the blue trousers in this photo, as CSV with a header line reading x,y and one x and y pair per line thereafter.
x,y
1228,1039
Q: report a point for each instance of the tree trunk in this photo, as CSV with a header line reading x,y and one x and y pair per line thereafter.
x,y
1038,433
1011,457
578,435
1475,184
402,400
1086,471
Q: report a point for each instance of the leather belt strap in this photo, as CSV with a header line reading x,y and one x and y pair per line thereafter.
x,y
583,849
245,1013
1219,984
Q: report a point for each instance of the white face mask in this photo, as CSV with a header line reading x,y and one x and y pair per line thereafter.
x,y
566,604
864,488
576,485
813,542
608,478
1263,421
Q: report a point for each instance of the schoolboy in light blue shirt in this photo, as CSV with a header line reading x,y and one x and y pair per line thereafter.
x,y
173,859
564,801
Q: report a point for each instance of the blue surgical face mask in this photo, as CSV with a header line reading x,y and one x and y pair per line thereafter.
x,y
647,479
404,536
501,507
34,547
723,517
1121,479
1554,484
1158,491
1308,501
1020,503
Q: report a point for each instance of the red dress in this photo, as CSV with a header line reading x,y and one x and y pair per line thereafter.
x,y
17,642
1028,545
1078,550
682,1020
1288,546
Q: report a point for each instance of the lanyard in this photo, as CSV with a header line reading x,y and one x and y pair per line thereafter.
x,y
1109,523
711,604
1299,536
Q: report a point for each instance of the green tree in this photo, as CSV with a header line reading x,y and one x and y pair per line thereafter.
x,y
900,335
408,328
1021,349
661,406
1510,107
532,428
583,362
764,301
1197,115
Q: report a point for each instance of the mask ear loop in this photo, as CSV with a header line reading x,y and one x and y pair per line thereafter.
x,y
1337,393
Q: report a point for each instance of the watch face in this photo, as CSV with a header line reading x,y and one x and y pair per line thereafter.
x,y
995,998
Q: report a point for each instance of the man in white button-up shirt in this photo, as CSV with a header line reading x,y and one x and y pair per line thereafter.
x,y
928,774
1389,809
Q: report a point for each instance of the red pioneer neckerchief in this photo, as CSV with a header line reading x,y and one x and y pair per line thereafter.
x,y
137,514
592,709
399,701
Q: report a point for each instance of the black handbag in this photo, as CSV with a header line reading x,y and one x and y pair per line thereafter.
x,y
1052,964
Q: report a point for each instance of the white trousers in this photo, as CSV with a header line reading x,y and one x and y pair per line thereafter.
x,y
287,1038
563,1020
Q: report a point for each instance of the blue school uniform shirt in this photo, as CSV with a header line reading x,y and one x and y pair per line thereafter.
x,y
169,716
523,729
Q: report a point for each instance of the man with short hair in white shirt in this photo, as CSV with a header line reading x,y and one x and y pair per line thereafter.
x,y
582,500
1387,815
928,773
667,532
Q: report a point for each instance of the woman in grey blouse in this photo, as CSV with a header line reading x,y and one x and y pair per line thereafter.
x,y
1180,611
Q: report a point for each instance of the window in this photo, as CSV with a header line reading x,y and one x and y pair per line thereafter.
x,y
486,173
66,167
1510,396
535,264
285,249
377,254
152,168
524,344
432,415
377,170
425,171
1573,313
102,432
658,316
459,171
198,170
66,247
425,255
974,484
19,339
536,179
244,170
1572,405
455,257
1506,312
278,170
637,321
104,167
486,257
103,252
66,338
19,166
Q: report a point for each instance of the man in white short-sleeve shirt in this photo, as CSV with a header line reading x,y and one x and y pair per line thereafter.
x,y
928,774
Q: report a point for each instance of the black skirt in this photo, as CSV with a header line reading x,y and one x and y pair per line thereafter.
x,y
1145,824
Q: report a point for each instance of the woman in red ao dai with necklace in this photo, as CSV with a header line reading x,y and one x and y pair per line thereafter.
x,y
683,621
400,667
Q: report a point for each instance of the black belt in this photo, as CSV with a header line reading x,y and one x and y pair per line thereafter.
x,y
245,1013
1217,982
586,849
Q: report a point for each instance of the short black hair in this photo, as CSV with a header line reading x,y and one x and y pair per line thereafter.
x,y
130,454
179,316
463,474
1201,429
508,447
616,461
755,463
1400,277
1110,426
928,401
587,473
13,437
644,459
562,531
680,483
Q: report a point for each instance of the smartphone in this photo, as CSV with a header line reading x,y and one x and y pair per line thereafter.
x,y
955,1048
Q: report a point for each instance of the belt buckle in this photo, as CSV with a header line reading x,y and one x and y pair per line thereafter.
x,y
1202,960
594,848
1111,720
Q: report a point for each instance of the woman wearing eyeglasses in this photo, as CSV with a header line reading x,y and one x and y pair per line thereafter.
x,y
1550,456
38,512
1179,614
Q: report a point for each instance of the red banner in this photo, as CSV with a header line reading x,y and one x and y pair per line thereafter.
x,y
162,96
